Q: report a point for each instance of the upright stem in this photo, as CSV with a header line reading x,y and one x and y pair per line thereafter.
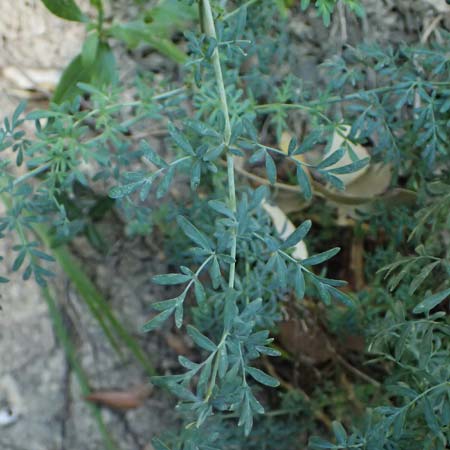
x,y
210,31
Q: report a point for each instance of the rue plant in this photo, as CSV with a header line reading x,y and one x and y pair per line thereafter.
x,y
236,271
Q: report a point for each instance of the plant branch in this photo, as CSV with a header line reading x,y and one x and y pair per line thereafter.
x,y
210,31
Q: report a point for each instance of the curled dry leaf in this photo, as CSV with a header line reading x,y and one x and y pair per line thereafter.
x,y
122,400
374,182
284,228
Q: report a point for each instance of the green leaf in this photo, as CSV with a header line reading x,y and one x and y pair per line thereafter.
x,y
303,182
352,167
321,257
164,184
171,279
159,445
271,169
18,112
19,260
221,208
89,50
341,296
66,9
168,304
102,72
181,392
305,4
332,159
180,139
298,235
431,418
299,283
339,432
431,302
292,146
214,272
201,128
179,315
422,276
122,191
319,443
67,87
196,173
157,321
134,32
262,377
200,339
194,234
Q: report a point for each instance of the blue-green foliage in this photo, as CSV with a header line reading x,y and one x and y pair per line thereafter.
x,y
235,272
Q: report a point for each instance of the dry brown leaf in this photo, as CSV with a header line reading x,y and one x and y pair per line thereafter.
x,y
177,343
304,339
122,400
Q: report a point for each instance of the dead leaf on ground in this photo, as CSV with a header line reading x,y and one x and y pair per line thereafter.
x,y
374,182
177,344
304,339
121,400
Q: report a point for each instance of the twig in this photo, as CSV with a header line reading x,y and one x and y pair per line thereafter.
x,y
427,33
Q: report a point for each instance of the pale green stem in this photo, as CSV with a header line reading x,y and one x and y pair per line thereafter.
x,y
237,10
355,96
32,173
210,31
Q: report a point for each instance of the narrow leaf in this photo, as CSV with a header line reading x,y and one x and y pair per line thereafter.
x,y
157,321
200,339
298,235
262,377
303,182
431,302
321,257
66,9
194,234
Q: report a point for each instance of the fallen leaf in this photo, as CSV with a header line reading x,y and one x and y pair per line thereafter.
x,y
303,338
177,343
122,400
374,182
